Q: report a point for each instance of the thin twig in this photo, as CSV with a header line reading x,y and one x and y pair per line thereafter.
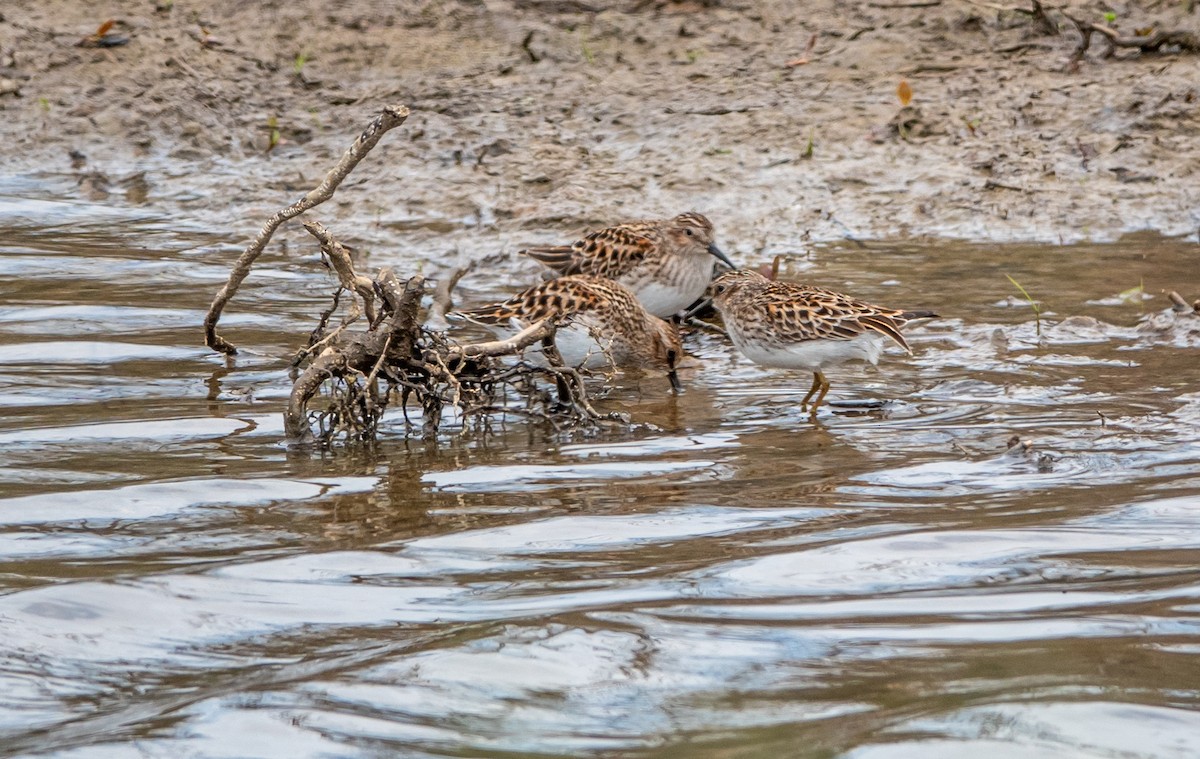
x,y
391,117
319,345
316,336
1085,40
442,296
1150,43
339,259
518,342
446,375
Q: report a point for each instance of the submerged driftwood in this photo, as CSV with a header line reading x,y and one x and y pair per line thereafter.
x,y
394,359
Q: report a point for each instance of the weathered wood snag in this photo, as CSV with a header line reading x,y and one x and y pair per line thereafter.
x,y
391,342
395,359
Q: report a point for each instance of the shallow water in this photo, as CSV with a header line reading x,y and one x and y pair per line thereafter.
x,y
727,580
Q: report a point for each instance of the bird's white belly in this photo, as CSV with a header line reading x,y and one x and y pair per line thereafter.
x,y
811,355
580,347
670,290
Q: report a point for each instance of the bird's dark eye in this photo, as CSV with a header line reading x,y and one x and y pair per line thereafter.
x,y
687,232
719,289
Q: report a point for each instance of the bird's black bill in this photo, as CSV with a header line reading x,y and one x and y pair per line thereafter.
x,y
702,305
713,249
676,385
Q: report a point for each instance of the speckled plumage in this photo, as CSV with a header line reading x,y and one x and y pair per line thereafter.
x,y
796,326
667,264
603,323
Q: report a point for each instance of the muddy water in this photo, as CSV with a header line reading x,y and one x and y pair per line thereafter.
x,y
728,580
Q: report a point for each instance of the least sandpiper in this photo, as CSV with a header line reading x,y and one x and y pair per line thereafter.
x,y
667,264
602,324
794,326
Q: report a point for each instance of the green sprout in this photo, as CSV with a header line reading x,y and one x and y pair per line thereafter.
x,y
1133,294
588,55
1037,309
273,131
1110,18
298,64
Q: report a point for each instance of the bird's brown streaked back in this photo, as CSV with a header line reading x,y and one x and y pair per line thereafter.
x,y
792,312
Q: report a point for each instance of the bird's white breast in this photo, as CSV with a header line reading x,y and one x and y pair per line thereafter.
x,y
669,289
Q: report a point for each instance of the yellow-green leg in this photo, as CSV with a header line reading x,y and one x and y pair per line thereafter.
x,y
815,385
819,378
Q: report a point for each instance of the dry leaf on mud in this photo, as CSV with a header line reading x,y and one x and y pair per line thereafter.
x,y
904,92
104,37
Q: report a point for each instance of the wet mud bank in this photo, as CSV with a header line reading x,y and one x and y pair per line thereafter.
x,y
532,120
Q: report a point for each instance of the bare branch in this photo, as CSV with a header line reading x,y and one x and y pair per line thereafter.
x,y
394,338
1177,302
339,259
442,300
1150,43
518,342
391,117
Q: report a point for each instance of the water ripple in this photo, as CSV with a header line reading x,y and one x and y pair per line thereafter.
x,y
995,554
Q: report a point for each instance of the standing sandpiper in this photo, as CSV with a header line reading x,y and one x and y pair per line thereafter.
x,y
667,264
602,324
794,326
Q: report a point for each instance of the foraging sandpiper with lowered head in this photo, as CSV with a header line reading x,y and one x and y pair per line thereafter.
x,y
794,326
667,264
601,324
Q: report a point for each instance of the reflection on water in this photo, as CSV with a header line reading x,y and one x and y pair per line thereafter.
x,y
728,579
